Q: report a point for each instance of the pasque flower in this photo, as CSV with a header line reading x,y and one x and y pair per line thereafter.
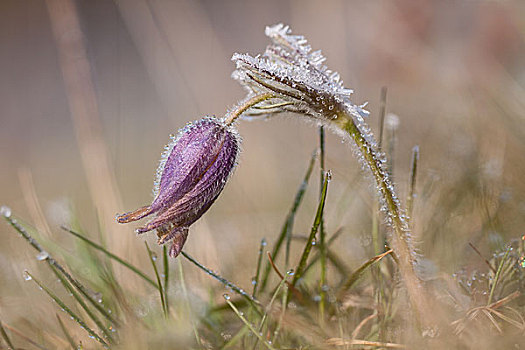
x,y
192,173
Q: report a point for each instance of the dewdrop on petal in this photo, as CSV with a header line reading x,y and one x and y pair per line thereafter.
x,y
192,173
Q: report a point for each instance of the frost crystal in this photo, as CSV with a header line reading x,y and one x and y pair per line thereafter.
x,y
297,76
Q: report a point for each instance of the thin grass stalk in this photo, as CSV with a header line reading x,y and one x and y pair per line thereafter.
x,y
69,338
281,316
250,299
270,304
6,338
67,310
330,256
497,276
351,279
412,182
53,263
188,306
258,268
248,324
377,237
112,256
322,243
288,224
81,302
166,269
315,227
382,113
160,289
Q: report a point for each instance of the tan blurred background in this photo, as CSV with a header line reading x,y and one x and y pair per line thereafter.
x,y
455,72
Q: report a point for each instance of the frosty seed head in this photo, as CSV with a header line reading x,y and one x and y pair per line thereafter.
x,y
296,75
192,173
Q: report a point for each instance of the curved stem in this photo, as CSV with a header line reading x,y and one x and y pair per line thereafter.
x,y
243,106
399,241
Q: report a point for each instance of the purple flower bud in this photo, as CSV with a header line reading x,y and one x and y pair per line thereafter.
x,y
191,175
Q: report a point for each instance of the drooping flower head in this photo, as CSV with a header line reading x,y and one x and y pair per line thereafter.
x,y
192,173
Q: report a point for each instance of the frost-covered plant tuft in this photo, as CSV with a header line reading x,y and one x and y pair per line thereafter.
x,y
298,81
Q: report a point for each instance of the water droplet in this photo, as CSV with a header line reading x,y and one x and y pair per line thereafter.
x,y
254,281
5,211
27,276
43,255
98,297
153,256
226,296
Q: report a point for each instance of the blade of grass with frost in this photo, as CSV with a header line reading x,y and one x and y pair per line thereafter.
x,y
67,310
44,255
251,300
270,304
166,268
6,338
287,227
188,306
112,256
322,245
81,302
69,338
315,227
248,324
258,268
152,259
412,182
349,282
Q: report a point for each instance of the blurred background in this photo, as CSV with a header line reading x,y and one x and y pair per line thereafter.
x,y
78,145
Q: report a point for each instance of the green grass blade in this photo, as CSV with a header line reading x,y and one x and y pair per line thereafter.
x,y
412,182
67,310
315,227
248,324
258,269
166,268
54,264
152,259
69,338
382,113
6,338
322,245
250,299
81,302
497,276
349,282
270,304
112,256
339,265
288,224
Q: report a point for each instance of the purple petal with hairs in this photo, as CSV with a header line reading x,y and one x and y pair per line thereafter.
x,y
192,174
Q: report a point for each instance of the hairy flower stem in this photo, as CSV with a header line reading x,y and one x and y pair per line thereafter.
x,y
398,240
243,106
